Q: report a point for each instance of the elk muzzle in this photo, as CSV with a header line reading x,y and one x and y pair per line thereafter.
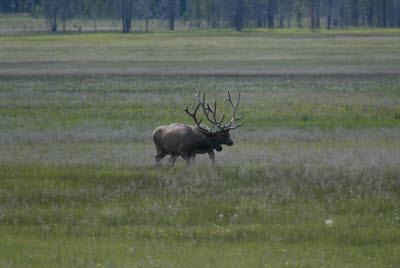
x,y
229,142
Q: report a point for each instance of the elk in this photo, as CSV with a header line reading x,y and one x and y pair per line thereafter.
x,y
187,141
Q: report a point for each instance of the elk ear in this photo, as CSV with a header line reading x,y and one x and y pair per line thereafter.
x,y
207,133
212,134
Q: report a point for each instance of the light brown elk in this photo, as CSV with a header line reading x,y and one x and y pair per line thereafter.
x,y
187,141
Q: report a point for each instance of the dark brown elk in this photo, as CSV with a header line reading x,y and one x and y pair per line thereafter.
x,y
187,141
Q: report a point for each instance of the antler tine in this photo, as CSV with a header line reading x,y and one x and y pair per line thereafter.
x,y
238,125
231,102
229,98
193,115
207,110
229,126
214,113
240,117
210,110
220,121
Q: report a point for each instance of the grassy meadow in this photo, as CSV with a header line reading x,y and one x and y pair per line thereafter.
x,y
313,179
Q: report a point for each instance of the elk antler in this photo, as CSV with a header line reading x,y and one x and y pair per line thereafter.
x,y
211,114
207,110
193,115
234,119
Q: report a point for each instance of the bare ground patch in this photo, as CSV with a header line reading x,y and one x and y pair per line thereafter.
x,y
265,71
78,60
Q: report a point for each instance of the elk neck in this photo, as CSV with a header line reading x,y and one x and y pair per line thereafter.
x,y
210,142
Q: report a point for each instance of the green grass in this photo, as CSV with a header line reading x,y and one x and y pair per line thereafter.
x,y
121,102
106,46
312,179
128,217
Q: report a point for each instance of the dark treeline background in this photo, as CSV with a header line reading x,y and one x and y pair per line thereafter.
x,y
217,13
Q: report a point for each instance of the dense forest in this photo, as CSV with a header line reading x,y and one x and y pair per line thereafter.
x,y
217,13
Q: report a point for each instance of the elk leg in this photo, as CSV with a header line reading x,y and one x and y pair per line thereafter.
x,y
187,158
212,157
192,158
173,158
159,157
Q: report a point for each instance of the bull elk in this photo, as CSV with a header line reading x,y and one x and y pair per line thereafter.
x,y
187,141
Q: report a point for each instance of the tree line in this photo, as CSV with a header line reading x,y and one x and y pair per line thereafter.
x,y
217,13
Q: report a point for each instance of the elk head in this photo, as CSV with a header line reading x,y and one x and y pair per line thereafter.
x,y
219,134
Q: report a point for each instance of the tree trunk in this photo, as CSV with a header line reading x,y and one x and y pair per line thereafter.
x,y
123,15
398,22
355,13
289,20
281,19
64,21
238,15
341,14
329,18
363,20
33,8
299,19
271,14
53,21
398,14
128,24
171,11
172,21
238,22
370,13
147,24
197,13
127,6
182,6
317,14
392,14
259,23
16,5
209,16
312,13
384,13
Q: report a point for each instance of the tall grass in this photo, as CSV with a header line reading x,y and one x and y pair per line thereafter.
x,y
312,180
